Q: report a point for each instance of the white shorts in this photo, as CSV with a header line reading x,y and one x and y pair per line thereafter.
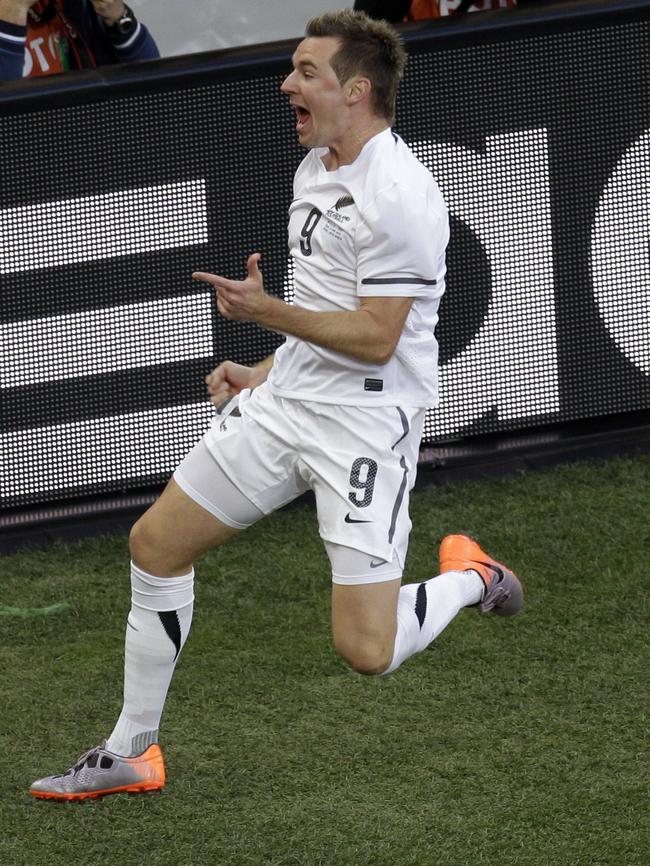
x,y
360,462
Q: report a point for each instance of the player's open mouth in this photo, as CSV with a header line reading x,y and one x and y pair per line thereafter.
x,y
303,117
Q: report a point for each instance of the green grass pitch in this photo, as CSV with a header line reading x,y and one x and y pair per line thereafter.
x,y
517,742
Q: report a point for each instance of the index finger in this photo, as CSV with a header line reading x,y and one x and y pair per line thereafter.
x,y
206,278
217,281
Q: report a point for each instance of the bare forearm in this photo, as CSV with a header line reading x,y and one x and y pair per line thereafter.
x,y
355,333
370,333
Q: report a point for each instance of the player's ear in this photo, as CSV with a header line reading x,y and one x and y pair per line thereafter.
x,y
357,89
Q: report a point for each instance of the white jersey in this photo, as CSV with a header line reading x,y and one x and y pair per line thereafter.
x,y
377,227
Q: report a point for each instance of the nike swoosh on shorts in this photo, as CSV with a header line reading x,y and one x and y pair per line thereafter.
x,y
349,519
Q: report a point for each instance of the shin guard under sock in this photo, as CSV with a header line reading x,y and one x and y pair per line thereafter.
x,y
157,628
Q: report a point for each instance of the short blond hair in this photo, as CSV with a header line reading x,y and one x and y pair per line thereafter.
x,y
370,48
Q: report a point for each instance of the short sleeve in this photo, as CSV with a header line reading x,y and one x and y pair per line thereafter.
x,y
401,243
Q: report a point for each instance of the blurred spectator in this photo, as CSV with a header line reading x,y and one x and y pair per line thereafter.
x,y
414,10
43,37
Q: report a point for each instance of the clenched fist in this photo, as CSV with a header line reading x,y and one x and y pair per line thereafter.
x,y
229,379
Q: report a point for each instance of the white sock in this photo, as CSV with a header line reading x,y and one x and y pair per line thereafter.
x,y
157,628
425,609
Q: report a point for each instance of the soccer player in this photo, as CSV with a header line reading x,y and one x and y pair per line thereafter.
x,y
339,409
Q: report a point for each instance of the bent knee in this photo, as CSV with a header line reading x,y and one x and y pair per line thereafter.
x,y
151,551
370,658
142,539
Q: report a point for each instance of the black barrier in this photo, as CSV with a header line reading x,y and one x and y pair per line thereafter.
x,y
116,184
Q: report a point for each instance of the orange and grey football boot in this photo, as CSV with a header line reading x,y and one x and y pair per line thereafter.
x,y
503,594
100,772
